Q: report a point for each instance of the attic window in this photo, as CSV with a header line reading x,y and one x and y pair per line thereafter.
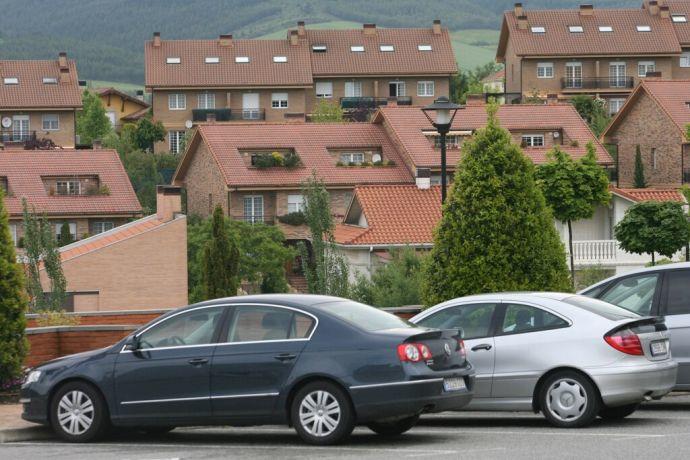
x,y
387,48
279,58
424,47
357,48
172,60
11,80
605,29
538,29
242,59
49,81
319,48
212,60
644,28
679,18
576,29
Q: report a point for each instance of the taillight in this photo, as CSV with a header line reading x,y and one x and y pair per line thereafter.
x,y
413,352
625,341
461,349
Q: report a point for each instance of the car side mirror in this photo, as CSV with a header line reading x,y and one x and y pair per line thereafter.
x,y
461,333
132,344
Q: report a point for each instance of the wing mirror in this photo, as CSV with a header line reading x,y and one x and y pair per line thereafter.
x,y
132,344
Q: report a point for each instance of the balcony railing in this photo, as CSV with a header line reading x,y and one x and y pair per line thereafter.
x,y
607,253
598,83
254,219
203,114
368,102
10,136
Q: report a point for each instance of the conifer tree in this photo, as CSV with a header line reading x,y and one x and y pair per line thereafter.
x,y
65,237
220,260
639,180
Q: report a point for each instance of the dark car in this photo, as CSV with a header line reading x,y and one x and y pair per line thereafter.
x,y
321,364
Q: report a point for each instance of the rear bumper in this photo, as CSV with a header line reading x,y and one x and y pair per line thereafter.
x,y
631,384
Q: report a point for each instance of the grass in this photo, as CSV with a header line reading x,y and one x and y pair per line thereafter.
x,y
126,87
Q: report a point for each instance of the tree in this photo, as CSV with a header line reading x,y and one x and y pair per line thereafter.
x,y
327,112
593,111
33,252
470,81
639,180
52,264
573,189
496,233
326,270
653,227
220,261
65,237
92,122
148,132
13,305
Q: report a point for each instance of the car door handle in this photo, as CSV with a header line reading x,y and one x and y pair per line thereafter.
x,y
197,361
285,357
482,346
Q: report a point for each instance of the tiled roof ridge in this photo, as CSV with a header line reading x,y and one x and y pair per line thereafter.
x,y
576,10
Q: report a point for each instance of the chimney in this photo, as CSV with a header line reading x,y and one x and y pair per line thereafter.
x,y
518,10
586,9
157,39
653,7
301,29
522,22
475,99
225,40
436,27
96,144
168,202
369,29
423,179
62,60
294,38
664,12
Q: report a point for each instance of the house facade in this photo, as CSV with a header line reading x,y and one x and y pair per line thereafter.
x,y
120,107
39,101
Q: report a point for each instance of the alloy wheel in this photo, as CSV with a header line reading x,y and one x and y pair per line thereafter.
x,y
75,412
566,399
319,413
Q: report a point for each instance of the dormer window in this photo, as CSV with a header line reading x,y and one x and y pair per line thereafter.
x,y
387,48
212,60
172,60
576,29
279,59
644,28
11,80
352,158
605,29
242,59
357,48
68,187
49,81
679,18
319,48
538,29
424,47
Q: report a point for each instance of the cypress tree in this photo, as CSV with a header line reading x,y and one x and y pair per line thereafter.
x,y
220,260
496,233
65,237
638,178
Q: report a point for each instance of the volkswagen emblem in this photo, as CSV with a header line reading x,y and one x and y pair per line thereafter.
x,y
446,348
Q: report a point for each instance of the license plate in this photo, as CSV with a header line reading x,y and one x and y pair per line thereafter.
x,y
659,348
454,384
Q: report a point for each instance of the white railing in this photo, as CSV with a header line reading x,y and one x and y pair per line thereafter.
x,y
605,252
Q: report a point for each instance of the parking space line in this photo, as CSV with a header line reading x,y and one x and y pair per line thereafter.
x,y
469,430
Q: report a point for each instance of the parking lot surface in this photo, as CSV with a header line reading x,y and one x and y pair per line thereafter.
x,y
658,430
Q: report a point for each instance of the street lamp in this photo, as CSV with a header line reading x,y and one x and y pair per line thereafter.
x,y
445,113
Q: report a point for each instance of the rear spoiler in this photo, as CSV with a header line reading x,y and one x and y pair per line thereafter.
x,y
646,324
437,334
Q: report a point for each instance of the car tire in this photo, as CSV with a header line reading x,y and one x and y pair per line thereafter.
x,y
322,413
78,413
618,413
394,428
568,399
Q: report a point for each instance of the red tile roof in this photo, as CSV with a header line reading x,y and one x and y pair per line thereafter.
x,y
31,92
680,7
193,71
496,76
395,214
649,194
407,59
559,41
311,141
121,94
24,170
409,125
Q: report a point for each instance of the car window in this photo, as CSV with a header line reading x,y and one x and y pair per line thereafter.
x,y
364,316
601,308
259,323
473,319
678,292
634,293
525,318
195,327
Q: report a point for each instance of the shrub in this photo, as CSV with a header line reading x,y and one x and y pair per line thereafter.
x,y
591,275
293,218
291,160
56,318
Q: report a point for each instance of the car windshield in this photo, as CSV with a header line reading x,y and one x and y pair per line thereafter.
x,y
600,308
363,316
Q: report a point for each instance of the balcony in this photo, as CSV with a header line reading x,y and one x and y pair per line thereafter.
x,y
12,138
607,253
254,219
371,103
203,115
590,83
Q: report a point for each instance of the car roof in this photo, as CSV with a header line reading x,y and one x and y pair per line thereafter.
x,y
513,295
655,268
289,300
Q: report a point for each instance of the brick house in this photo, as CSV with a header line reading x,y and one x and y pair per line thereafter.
x,y
87,189
120,107
229,80
39,100
655,119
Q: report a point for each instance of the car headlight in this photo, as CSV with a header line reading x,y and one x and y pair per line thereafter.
x,y
32,377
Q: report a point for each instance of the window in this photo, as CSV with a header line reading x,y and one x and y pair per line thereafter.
x,y
679,18
576,29
533,140
177,101
172,60
677,292
685,59
357,48
573,75
538,29
100,227
11,80
195,327
545,70
452,141
254,209
396,89
617,77
643,67
112,117
524,318
175,139
634,293
352,157
49,81
319,48
13,232
51,122
324,89
603,309
279,100
279,59
242,59
67,187
644,28
258,324
211,59
363,316
654,165
387,48
295,203
605,29
206,100
353,89
425,88
72,229
424,47
474,320
615,105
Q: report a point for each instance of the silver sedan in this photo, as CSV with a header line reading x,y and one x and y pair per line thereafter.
x,y
571,357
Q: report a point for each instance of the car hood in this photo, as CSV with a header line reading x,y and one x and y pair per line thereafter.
x,y
72,359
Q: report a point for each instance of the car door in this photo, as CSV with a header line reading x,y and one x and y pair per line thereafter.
x,y
261,345
524,330
675,306
476,321
168,375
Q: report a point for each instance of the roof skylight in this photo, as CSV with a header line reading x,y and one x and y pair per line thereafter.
x,y
242,59
357,48
679,18
605,29
538,29
11,80
49,80
424,47
173,60
576,29
279,58
212,60
387,48
644,28
319,48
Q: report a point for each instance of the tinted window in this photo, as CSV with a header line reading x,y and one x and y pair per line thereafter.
x,y
634,293
598,307
524,318
253,324
678,296
195,327
474,320
364,316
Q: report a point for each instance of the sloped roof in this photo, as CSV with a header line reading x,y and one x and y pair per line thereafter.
x,y
649,194
680,7
395,214
31,92
409,125
122,94
498,75
311,141
24,170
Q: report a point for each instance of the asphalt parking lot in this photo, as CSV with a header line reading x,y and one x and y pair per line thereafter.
x,y
658,430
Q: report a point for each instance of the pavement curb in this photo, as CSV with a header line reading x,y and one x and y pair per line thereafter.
x,y
31,433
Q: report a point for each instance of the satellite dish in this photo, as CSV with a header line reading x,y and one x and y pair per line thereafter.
x,y
376,157
188,124
556,134
6,122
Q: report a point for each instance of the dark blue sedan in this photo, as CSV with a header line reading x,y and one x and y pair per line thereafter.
x,y
320,364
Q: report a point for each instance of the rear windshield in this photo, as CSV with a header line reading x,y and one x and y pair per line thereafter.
x,y
600,308
363,316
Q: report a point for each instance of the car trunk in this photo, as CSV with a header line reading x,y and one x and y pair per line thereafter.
x,y
653,336
446,352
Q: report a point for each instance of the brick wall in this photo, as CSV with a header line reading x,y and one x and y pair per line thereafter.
x,y
204,183
135,317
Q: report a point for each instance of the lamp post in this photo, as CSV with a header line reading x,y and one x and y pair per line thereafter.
x,y
445,113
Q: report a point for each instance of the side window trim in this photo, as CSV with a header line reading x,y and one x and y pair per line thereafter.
x,y
225,330
656,307
504,307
